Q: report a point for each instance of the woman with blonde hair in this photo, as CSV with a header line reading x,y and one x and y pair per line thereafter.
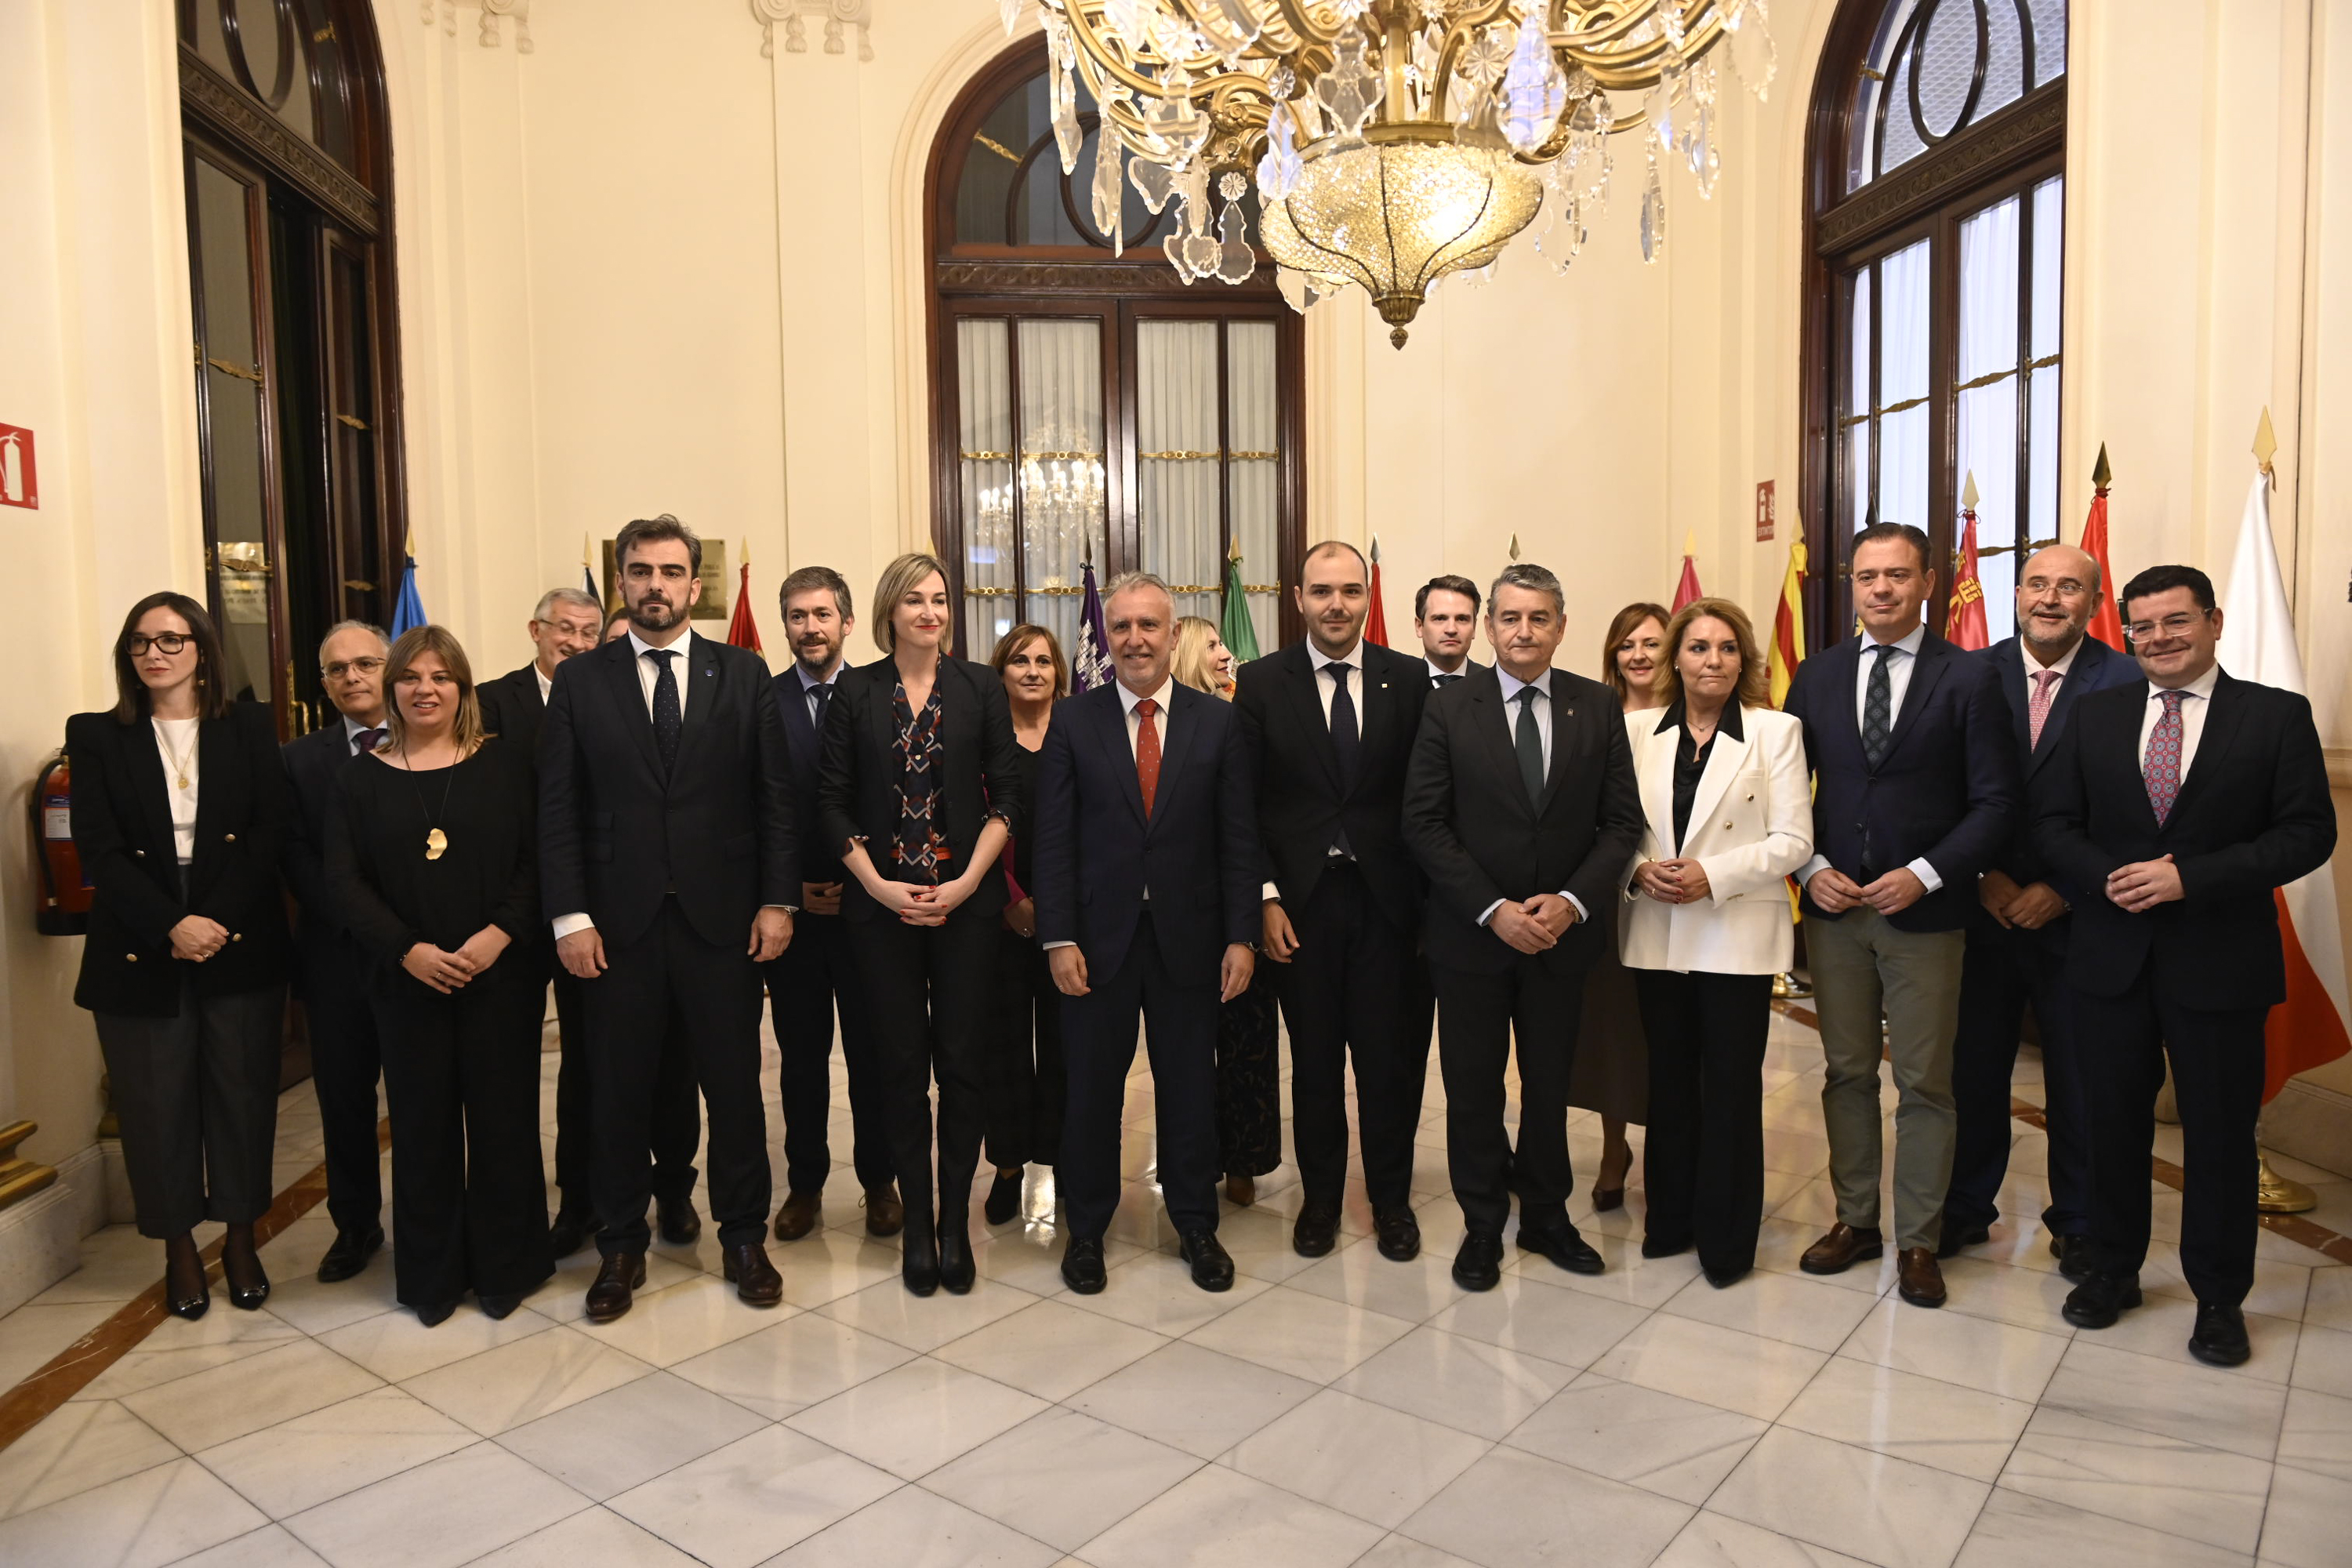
x,y
433,854
1202,661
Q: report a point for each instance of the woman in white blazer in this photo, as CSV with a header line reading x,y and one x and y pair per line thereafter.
x,y
1725,787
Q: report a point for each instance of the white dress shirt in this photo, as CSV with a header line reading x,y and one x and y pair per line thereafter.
x,y
1326,687
2035,667
353,731
1135,723
2199,693
649,669
809,689
1899,665
1438,677
177,740
546,683
1512,686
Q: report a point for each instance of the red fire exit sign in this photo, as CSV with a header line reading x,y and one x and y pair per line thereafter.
x,y
17,485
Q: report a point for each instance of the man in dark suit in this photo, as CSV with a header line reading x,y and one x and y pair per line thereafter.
x,y
1147,865
566,623
2016,939
331,971
1914,793
1521,807
2179,804
1329,724
818,972
667,861
1446,619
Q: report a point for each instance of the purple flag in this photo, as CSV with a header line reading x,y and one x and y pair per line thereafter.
x,y
1090,666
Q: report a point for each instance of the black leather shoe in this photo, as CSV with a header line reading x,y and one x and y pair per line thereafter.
x,y
570,1233
609,1296
2219,1338
2073,1258
498,1308
193,1307
349,1253
1664,1246
1478,1266
679,1224
2100,1300
1082,1265
1559,1242
919,1260
1213,1266
185,1286
756,1281
1316,1231
956,1270
1958,1237
1724,1278
434,1315
1003,1199
241,1272
1399,1231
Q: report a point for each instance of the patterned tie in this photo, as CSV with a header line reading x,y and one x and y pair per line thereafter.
x,y
2163,766
1878,707
366,740
1147,752
1440,682
1529,741
667,713
2037,707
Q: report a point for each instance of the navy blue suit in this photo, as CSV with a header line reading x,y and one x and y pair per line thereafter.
x,y
1097,856
2005,967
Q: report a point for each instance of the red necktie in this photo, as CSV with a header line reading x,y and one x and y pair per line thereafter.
x,y
1147,752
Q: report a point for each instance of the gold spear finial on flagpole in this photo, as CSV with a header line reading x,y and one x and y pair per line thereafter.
x,y
1968,492
1515,547
1690,545
2265,445
1235,553
1376,550
2102,476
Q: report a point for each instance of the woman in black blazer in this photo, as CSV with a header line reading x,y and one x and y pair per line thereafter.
x,y
433,855
921,781
180,812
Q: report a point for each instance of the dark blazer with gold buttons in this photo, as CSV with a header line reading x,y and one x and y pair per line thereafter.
x,y
122,830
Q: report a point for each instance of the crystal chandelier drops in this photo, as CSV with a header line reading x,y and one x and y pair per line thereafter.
x,y
1391,142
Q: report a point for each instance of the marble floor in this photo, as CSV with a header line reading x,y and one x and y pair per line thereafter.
x,y
1347,1410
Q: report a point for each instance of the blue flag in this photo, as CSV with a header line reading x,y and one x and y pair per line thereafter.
x,y
1090,666
410,612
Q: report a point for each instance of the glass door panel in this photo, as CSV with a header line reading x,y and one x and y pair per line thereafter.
x,y
1060,490
1253,470
992,591
1990,340
1180,460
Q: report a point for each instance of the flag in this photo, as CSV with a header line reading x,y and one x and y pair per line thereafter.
x,y
2106,624
409,613
743,631
1789,626
587,572
1964,623
1376,626
1090,665
1688,589
2308,1027
1235,627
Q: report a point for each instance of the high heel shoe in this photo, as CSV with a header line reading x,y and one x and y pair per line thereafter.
x,y
919,1261
1003,1199
1607,1197
956,1270
238,1258
1241,1191
182,1251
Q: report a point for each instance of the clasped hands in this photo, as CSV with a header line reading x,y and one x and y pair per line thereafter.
x,y
1835,892
197,938
1681,881
2027,908
448,971
1533,925
2144,884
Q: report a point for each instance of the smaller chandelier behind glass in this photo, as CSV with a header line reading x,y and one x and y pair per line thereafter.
x,y
1391,142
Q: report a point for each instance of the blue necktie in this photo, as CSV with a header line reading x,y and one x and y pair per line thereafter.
x,y
667,716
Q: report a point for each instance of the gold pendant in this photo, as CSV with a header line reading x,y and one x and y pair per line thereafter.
x,y
436,844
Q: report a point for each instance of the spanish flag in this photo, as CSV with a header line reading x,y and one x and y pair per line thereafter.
x,y
1789,627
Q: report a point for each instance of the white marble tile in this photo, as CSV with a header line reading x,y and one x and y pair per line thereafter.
x,y
1718,1541
1061,1476
1191,1398
80,1445
1850,1499
1218,1517
1030,1260
1145,1293
790,1366
2029,1298
116,1263
1792,1307
30,1335
177,1348
563,1297
914,1418
1051,1350
1963,1430
1722,1367
2329,1303
271,1546
2160,1326
1781,1247
2323,1360
1362,1458
1628,1276
1357,1274
1673,1447
2019,1530
2305,1525
208,1407
751,1500
1259,1240
926,1322
831,1264
300,1299
532,1377
396,1347
629,1435
669,1326
1512,1509
592,1538
449,1511
1572,1328
2317,1434
914,1529
1975,1353
2279,1288
157,1516
1309,1337
319,1456
2176,1398
1402,1551
2175,1486
1462,1382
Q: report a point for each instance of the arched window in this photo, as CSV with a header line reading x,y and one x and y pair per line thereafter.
x,y
1087,405
289,239
1934,214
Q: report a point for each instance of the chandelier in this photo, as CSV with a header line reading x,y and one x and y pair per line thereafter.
x,y
1391,142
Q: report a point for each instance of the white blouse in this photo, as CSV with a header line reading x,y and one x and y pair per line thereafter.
x,y
175,739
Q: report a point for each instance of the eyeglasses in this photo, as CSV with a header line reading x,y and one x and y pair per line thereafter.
x,y
343,667
2171,627
164,643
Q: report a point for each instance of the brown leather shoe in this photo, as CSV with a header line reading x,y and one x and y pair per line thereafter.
x,y
1841,1249
885,1214
1918,1278
755,1279
609,1297
799,1215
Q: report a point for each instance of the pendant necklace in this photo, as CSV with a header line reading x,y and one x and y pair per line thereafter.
x,y
436,842
180,765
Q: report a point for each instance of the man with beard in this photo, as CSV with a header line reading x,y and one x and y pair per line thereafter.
x,y
2017,936
816,973
668,861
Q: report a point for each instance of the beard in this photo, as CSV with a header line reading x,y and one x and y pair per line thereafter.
x,y
653,616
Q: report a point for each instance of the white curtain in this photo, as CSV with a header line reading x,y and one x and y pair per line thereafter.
x,y
1987,433
1179,462
1857,402
1255,466
2041,449
1061,474
984,429
1903,379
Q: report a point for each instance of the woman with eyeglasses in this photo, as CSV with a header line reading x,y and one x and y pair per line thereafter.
x,y
180,813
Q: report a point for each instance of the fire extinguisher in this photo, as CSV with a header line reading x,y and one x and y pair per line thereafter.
x,y
64,891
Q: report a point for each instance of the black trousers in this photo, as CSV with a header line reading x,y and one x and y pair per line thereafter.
x,y
815,975
675,1119
2217,1078
1027,1085
1179,1018
196,1097
1345,988
345,1062
670,984
1703,1160
1477,1015
468,1192
2000,973
928,988
1249,1078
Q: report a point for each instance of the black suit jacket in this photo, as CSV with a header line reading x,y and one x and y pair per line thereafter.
x,y
313,764
1946,790
858,791
1470,826
2253,815
804,746
2096,667
1302,804
122,831
615,835
511,708
1096,853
